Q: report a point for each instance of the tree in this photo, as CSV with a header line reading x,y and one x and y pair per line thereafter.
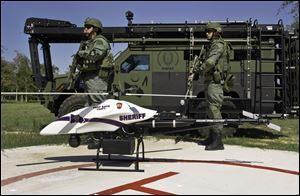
x,y
8,76
24,81
55,69
294,10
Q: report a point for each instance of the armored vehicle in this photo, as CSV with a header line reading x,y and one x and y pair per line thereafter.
x,y
156,63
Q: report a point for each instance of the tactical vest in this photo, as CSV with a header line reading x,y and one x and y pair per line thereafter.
x,y
221,72
90,65
106,71
224,68
222,65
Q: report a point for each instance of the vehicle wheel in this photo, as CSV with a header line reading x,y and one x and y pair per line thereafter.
x,y
71,104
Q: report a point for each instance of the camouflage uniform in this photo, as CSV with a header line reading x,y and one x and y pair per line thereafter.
x,y
215,65
92,53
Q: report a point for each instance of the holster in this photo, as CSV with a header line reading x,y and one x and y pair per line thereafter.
x,y
217,77
229,83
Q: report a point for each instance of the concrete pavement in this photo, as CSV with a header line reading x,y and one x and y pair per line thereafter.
x,y
169,168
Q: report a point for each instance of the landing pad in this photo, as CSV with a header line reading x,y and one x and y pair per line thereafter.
x,y
169,168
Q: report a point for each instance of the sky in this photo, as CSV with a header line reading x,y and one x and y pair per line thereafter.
x,y
112,13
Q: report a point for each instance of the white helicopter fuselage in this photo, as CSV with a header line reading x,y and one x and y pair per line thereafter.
x,y
106,117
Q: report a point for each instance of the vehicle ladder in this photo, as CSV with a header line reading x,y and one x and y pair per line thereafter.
x,y
268,42
191,56
292,69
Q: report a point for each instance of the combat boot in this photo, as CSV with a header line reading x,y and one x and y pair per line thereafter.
x,y
217,143
208,140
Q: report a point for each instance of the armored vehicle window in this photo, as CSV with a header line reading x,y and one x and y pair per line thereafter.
x,y
135,63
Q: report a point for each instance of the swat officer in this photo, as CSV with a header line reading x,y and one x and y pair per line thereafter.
x,y
214,69
89,58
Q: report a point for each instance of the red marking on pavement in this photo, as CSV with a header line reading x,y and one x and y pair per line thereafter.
x,y
224,163
138,186
152,191
33,174
39,173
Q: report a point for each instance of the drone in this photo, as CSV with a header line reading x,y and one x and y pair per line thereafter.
x,y
115,125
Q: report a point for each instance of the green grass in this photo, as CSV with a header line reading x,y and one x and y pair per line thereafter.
x,y
260,136
263,137
21,124
21,116
9,140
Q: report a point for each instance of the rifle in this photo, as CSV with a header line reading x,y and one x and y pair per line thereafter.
x,y
73,75
196,62
77,61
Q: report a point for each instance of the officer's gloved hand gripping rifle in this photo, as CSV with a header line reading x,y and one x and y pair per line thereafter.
x,y
193,70
77,61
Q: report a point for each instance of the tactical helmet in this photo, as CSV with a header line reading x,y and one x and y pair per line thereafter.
x,y
215,26
94,22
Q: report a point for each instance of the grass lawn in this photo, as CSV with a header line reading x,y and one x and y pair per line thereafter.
x,y
263,137
21,124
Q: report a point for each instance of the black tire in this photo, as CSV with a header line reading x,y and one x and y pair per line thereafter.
x,y
71,104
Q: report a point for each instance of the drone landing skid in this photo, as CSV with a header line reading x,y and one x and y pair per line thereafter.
x,y
108,150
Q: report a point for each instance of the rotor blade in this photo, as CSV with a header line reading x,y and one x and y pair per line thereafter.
x,y
50,93
273,126
102,93
159,95
250,115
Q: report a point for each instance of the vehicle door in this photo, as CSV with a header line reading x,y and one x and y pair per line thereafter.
x,y
135,73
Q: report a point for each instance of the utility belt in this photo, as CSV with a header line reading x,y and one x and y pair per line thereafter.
x,y
88,66
218,77
224,78
103,72
89,74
